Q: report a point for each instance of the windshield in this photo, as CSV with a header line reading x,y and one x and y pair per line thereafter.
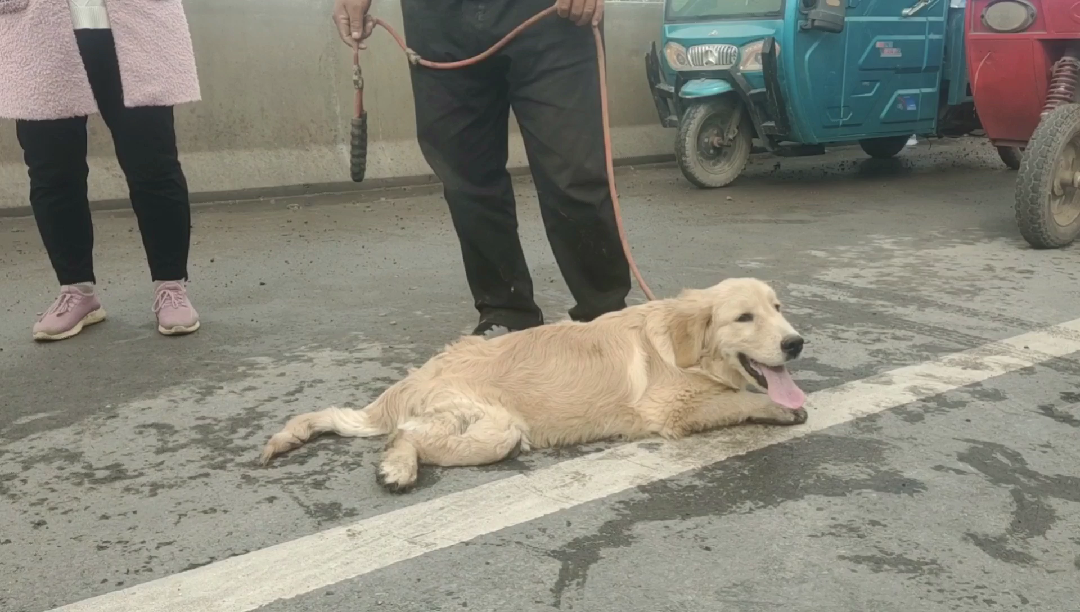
x,y
725,9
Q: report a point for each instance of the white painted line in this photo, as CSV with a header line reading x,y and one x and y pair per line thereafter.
x,y
250,581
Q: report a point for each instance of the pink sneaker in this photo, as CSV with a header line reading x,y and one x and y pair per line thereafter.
x,y
69,314
175,314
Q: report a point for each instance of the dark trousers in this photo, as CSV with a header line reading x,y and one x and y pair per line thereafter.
x,y
145,142
548,75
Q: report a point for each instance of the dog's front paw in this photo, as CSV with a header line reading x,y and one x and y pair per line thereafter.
x,y
395,479
784,417
798,417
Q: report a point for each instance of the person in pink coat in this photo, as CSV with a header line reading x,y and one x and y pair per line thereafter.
x,y
132,62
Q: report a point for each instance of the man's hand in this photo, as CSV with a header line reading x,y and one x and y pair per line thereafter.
x,y
352,20
581,12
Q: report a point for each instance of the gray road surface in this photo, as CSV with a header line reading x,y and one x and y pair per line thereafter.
x,y
126,457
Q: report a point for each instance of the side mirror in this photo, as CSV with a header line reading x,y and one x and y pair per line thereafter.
x,y
823,15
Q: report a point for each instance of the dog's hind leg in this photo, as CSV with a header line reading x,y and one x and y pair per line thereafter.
x,y
452,436
400,464
301,428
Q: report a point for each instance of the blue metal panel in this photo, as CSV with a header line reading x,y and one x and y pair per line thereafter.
x,y
956,70
900,59
736,33
704,88
881,76
812,76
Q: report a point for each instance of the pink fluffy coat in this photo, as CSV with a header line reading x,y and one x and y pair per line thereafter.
x,y
42,74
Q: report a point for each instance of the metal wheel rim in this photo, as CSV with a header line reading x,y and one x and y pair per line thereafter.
x,y
713,157
1064,195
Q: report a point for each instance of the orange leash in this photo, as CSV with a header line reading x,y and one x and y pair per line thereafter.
x,y
359,137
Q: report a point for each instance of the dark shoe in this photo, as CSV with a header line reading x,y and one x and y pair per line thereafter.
x,y
492,329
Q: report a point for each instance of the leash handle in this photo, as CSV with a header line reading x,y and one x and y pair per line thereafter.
x,y
358,142
358,152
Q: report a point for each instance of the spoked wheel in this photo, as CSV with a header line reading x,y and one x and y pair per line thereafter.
x,y
714,142
1011,156
1047,193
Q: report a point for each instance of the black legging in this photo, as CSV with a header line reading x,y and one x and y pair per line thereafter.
x,y
55,154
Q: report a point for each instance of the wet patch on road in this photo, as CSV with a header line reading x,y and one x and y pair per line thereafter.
x,y
1033,515
765,478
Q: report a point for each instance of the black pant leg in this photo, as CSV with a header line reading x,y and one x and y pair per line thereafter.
x,y
55,155
555,94
145,143
461,122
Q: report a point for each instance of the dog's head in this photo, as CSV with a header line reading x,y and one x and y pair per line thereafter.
x,y
735,331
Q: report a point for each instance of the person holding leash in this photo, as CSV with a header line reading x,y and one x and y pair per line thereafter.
x,y
548,76
131,61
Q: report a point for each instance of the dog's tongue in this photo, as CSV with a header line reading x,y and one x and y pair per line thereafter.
x,y
782,389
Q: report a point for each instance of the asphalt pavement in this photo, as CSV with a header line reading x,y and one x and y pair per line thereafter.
x,y
939,469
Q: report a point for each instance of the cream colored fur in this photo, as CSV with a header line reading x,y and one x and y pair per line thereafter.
x,y
665,368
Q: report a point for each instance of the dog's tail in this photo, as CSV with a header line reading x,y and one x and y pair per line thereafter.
x,y
343,421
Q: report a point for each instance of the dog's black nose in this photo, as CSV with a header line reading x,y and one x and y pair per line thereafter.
x,y
792,346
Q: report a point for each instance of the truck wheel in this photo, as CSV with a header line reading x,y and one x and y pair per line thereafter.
x,y
703,159
1047,198
1011,156
884,148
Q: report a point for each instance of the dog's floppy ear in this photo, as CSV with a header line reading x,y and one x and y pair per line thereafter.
x,y
688,325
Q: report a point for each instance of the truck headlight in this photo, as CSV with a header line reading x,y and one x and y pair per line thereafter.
x,y
1008,16
675,54
751,56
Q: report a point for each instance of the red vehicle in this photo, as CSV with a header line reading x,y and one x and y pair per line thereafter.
x,y
1024,65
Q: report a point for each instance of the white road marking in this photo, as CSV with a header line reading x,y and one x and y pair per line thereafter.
x,y
287,570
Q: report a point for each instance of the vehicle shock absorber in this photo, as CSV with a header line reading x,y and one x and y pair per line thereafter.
x,y
1064,81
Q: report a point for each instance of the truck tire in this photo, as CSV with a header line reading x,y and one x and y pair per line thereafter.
x,y
884,148
1047,209
1011,156
705,165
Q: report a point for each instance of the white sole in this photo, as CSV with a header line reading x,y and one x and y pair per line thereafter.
x,y
179,330
96,316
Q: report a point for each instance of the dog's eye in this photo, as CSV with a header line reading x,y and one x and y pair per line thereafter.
x,y
746,317
777,307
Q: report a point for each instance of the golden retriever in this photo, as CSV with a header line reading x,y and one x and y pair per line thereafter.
x,y
665,368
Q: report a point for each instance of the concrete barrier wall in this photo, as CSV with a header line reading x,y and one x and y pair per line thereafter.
x,y
277,98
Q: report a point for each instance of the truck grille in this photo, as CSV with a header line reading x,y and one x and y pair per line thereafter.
x,y
713,56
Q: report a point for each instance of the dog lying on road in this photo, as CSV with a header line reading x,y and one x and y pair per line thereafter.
x,y
669,368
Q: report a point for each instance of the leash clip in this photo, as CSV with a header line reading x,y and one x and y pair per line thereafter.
x,y
357,74
357,78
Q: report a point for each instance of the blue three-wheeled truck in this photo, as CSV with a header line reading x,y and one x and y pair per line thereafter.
x,y
794,76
